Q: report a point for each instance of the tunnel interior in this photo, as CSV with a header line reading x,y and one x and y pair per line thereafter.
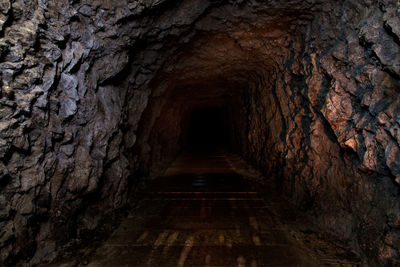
x,y
208,129
98,98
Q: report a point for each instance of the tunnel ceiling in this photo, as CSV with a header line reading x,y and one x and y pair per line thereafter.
x,y
96,95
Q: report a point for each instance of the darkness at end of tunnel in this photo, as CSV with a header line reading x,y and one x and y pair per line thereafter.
x,y
207,129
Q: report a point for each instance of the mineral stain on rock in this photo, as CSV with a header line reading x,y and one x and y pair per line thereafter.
x,y
97,97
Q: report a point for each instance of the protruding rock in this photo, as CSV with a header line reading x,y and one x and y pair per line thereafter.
x,y
5,7
70,97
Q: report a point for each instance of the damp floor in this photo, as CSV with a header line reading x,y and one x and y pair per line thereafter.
x,y
202,212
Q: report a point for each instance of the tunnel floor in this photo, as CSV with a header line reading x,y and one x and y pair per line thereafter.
x,y
204,213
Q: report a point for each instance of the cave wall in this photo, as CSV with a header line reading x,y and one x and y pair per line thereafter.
x,y
325,123
74,78
88,86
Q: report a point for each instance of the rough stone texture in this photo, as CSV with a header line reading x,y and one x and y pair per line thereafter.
x,y
95,95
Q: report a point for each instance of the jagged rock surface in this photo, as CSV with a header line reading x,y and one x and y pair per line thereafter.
x,y
95,93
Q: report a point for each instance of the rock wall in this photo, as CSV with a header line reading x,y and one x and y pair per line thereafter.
x,y
327,130
94,96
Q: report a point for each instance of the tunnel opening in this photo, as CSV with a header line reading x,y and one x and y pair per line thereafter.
x,y
208,130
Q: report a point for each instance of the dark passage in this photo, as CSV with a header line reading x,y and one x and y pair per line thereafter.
x,y
208,129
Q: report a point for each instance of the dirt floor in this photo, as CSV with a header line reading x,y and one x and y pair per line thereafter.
x,y
210,210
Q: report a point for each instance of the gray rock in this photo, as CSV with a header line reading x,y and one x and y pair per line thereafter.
x,y
393,24
110,66
70,97
86,10
5,7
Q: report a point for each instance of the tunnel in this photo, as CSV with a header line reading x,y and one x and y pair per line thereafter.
x,y
207,129
199,132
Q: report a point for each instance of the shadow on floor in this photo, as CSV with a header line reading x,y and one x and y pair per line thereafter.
x,y
203,213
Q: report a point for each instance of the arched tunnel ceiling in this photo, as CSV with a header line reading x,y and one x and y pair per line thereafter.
x,y
222,58
230,45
